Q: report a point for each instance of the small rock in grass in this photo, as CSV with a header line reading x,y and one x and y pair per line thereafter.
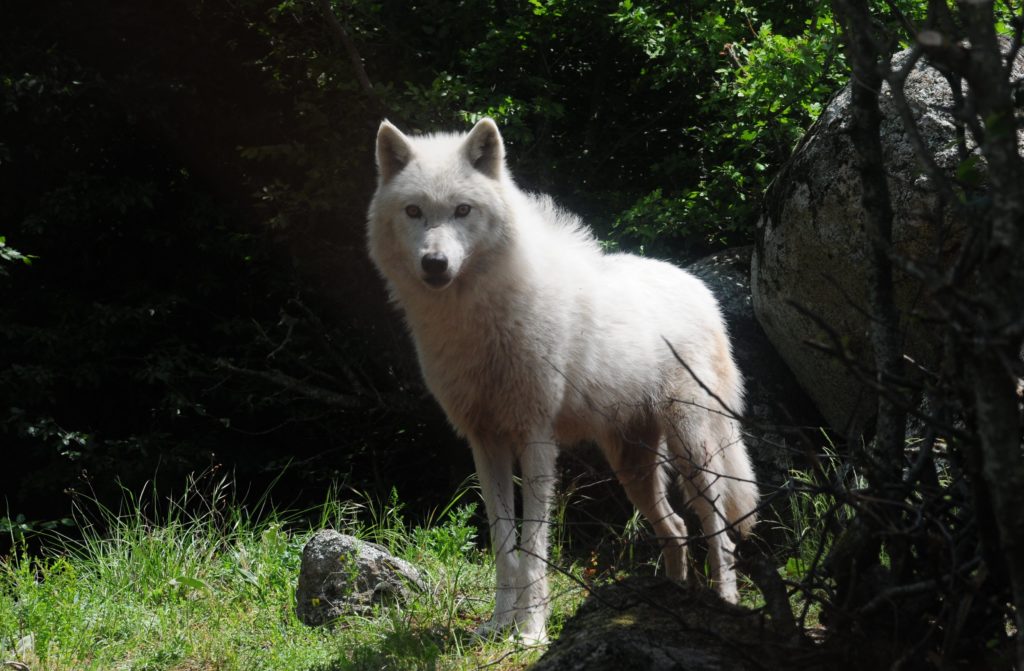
x,y
342,575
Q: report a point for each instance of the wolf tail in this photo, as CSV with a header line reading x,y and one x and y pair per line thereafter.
x,y
741,495
741,505
734,487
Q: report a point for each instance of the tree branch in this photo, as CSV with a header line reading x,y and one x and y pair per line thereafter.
x,y
300,387
353,57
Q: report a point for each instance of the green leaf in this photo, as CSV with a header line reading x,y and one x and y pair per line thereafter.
x,y
968,171
186,581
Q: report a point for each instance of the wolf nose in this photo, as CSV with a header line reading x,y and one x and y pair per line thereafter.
x,y
434,263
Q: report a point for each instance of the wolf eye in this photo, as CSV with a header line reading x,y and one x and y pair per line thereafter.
x,y
462,210
413,211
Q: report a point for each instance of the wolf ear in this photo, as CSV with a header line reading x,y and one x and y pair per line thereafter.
x,y
484,148
393,151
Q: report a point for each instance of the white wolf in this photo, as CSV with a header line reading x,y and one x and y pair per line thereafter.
x,y
530,337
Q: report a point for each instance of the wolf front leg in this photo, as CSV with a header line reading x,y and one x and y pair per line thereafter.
x,y
537,465
494,470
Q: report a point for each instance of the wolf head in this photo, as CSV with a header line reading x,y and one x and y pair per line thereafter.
x,y
440,204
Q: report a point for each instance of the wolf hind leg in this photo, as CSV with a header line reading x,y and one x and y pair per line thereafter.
x,y
705,489
638,462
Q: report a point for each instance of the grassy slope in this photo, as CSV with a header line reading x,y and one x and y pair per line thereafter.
x,y
216,591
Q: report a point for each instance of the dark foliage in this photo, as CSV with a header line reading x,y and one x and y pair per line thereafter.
x,y
198,293
188,182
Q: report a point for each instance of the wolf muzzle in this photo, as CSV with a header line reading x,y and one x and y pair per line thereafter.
x,y
435,269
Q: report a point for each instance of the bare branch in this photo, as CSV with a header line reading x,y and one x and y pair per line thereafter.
x,y
300,387
353,56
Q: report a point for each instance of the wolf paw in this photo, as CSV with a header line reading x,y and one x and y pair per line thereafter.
x,y
496,627
729,593
512,632
530,637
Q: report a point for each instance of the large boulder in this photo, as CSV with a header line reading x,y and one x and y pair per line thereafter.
x,y
342,575
810,264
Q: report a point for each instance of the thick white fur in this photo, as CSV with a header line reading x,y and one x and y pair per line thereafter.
x,y
540,339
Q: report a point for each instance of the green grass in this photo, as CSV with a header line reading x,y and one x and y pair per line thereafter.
x,y
214,589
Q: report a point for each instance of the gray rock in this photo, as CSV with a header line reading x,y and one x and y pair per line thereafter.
x,y
811,249
652,624
342,575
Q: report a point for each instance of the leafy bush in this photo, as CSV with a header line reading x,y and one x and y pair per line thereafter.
x,y
660,123
763,88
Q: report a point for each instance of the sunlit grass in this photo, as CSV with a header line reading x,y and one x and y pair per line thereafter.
x,y
208,585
